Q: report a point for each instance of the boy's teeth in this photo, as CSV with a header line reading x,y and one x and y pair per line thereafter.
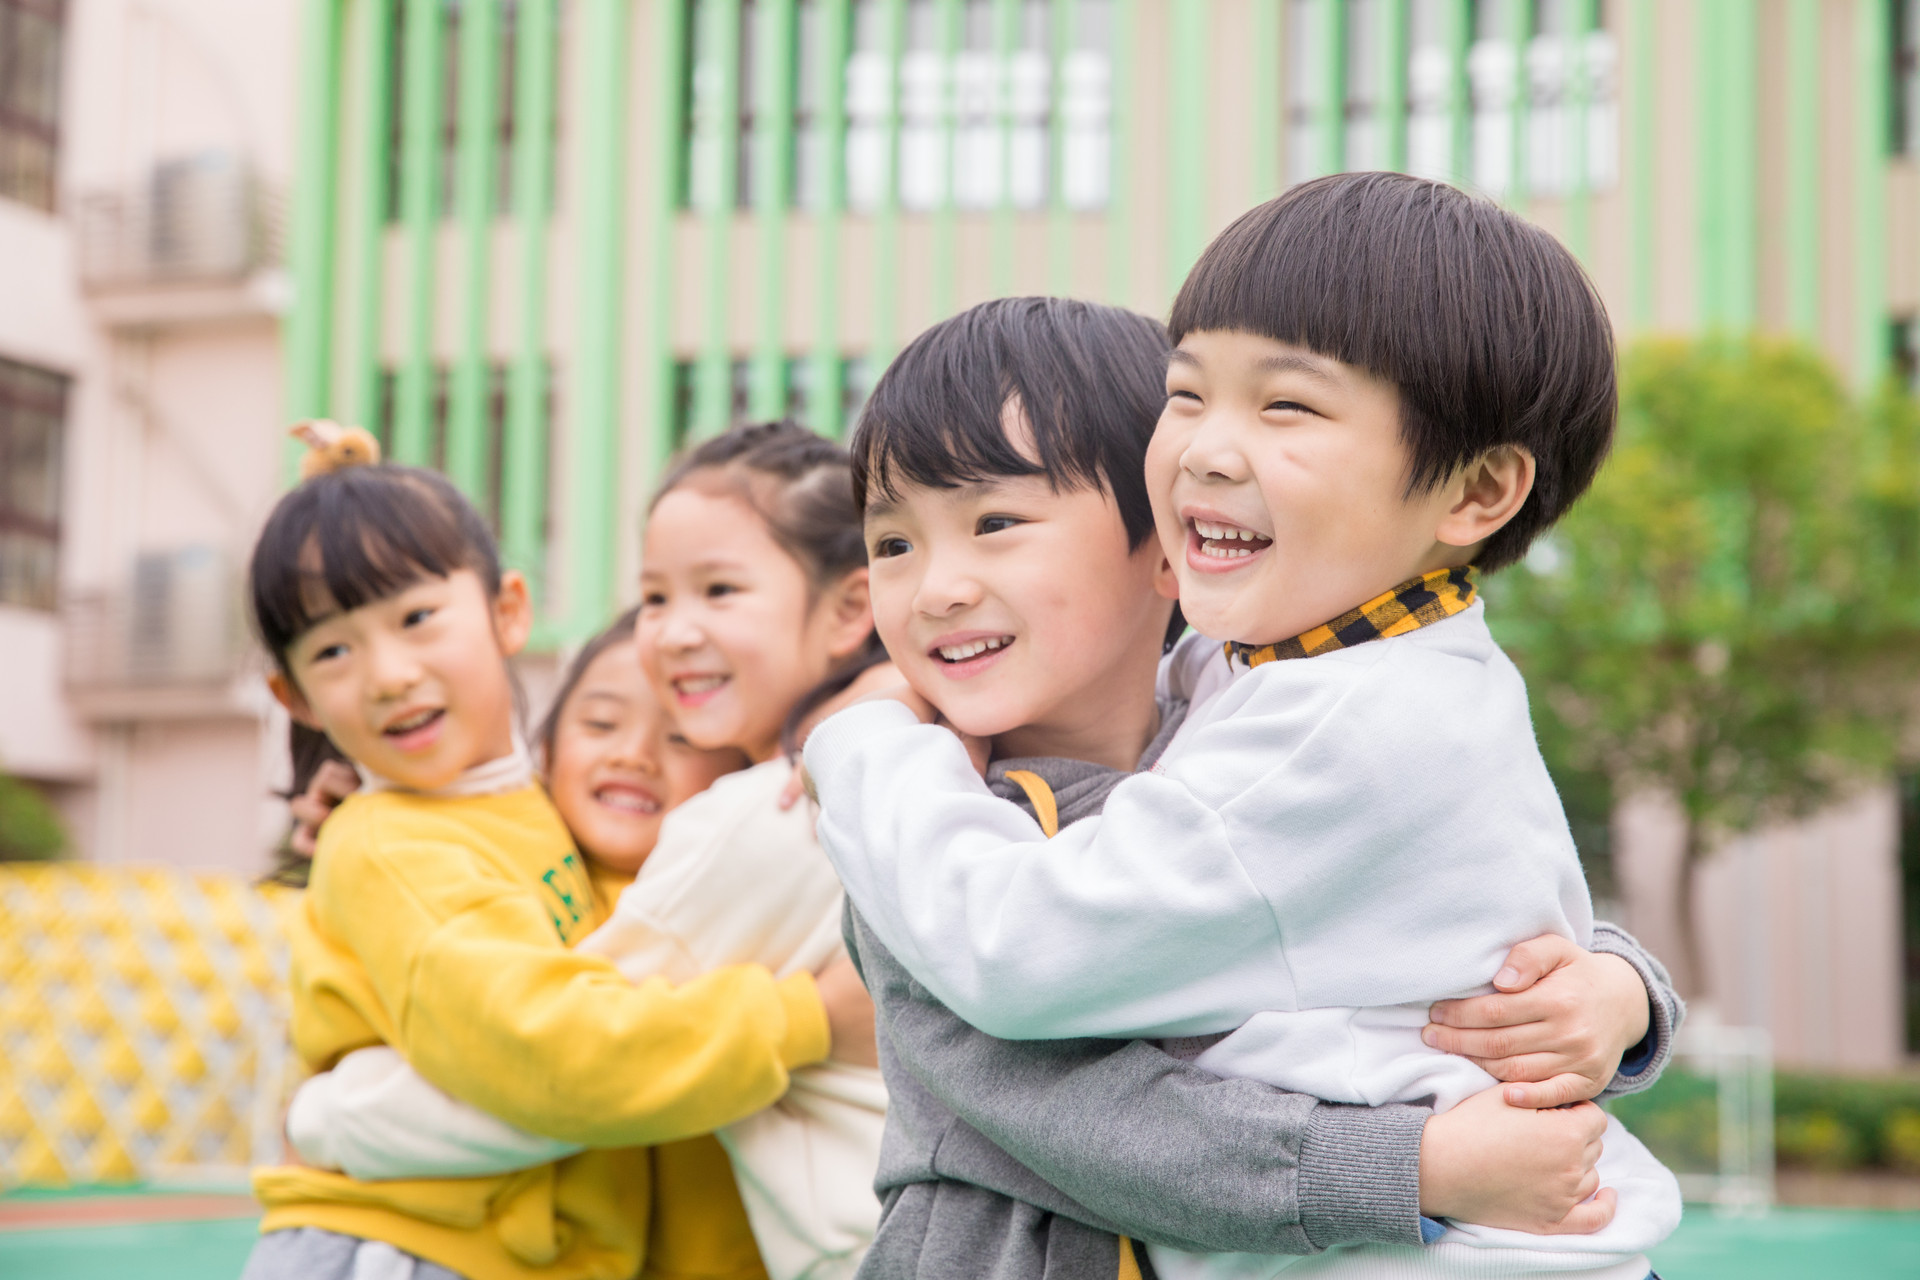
x,y
699,684
411,722
1227,532
961,652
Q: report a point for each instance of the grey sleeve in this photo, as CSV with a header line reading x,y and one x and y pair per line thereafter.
x,y
1154,1147
1644,1062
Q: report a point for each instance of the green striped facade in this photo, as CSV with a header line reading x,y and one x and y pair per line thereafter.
x,y
543,243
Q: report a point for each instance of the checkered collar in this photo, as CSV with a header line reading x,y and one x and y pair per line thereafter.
x,y
1427,599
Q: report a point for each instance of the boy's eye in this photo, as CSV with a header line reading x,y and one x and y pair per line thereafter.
x,y
415,617
1184,395
1287,406
653,599
717,589
601,726
887,548
329,651
996,524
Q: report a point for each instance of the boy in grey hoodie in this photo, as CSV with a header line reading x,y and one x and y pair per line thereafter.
x,y
999,447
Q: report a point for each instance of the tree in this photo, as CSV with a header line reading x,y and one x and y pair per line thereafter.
x,y
1728,616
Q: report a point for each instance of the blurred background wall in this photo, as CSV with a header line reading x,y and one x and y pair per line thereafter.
x,y
542,243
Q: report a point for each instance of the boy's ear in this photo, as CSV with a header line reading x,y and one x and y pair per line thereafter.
x,y
287,694
1165,583
850,613
512,613
1485,494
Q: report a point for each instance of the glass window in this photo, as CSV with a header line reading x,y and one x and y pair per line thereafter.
x,y
31,38
446,158
1430,81
1366,124
811,84
1086,108
497,399
869,103
33,411
1306,87
856,384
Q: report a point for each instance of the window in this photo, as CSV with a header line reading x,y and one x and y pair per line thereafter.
x,y
446,158
1560,67
1904,342
497,396
856,383
30,44
33,411
963,115
1430,89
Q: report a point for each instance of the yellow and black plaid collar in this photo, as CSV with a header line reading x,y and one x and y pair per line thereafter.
x,y
1421,602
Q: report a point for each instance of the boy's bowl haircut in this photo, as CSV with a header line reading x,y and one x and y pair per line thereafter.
x,y
1090,380
1484,323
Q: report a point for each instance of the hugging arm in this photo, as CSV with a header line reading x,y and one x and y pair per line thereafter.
x,y
1139,1143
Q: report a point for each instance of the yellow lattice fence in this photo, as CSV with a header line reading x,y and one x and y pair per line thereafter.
x,y
142,1025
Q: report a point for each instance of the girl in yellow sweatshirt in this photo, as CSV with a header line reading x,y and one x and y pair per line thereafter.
x,y
443,901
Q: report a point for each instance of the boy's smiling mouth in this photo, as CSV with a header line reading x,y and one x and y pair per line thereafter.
x,y
968,653
1214,544
627,798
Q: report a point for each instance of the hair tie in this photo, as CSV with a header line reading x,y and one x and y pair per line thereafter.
x,y
332,447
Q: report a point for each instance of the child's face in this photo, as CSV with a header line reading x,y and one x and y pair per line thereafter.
x,y
1303,453
413,687
731,633
1011,606
619,763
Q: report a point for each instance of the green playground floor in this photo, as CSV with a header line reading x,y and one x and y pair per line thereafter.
x,y
1788,1244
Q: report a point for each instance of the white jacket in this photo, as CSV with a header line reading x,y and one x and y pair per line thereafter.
x,y
733,879
1329,845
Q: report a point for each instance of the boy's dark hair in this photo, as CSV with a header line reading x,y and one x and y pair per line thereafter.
x,y
360,535
1090,378
1486,325
619,631
801,485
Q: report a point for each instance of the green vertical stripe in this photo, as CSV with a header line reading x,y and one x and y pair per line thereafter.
x,y
1392,64
1330,112
886,309
773,185
419,210
372,79
823,397
1006,17
1061,34
1457,19
1742,113
1120,282
947,20
719,45
1579,205
1186,158
469,461
1871,335
1710,132
1803,167
1727,194
311,250
523,471
1268,66
1639,149
1519,29
594,443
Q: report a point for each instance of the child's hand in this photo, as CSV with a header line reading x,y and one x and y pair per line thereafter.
x,y
1558,1026
850,1017
332,783
1516,1167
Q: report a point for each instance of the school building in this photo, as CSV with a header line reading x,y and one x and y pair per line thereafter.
x,y
541,243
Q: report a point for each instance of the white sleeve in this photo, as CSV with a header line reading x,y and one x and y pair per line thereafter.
x,y
1138,922
374,1117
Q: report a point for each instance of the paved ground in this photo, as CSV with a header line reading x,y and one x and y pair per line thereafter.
x,y
201,1237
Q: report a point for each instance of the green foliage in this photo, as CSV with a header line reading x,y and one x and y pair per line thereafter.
x,y
1729,615
29,828
1820,1122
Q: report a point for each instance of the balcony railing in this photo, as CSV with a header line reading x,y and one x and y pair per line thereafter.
x,y
203,219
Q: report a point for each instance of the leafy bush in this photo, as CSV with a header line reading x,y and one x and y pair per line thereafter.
x,y
1820,1121
29,828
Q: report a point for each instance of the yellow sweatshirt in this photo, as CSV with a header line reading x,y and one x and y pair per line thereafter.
x,y
440,926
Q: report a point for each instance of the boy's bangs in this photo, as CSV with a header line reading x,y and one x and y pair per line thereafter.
x,y
351,539
1087,379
